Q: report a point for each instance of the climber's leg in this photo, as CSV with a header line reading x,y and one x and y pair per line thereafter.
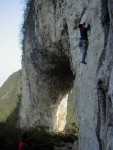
x,y
80,44
84,51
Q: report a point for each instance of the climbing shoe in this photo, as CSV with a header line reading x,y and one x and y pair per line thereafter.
x,y
83,62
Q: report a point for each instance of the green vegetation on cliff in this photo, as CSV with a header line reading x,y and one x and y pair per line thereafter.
x,y
71,127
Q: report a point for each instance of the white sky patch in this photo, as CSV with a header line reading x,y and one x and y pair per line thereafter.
x,y
11,16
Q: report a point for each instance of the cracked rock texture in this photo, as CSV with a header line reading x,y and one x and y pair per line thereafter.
x,y
52,67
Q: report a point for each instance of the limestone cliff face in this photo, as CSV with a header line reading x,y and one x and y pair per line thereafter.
x,y
52,66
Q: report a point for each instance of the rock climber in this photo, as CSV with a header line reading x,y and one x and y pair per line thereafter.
x,y
83,43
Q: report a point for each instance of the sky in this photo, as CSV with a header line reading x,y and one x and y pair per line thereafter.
x,y
11,16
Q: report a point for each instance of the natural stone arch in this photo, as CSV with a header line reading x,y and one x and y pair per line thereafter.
x,y
47,74
50,38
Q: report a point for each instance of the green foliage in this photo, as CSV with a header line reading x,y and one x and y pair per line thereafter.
x,y
40,137
10,94
9,137
72,131
71,127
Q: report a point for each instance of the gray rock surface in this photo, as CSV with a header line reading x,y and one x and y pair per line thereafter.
x,y
52,66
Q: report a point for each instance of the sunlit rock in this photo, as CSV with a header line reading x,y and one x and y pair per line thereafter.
x,y
52,62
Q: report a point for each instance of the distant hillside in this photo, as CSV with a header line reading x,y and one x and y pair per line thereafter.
x,y
10,94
